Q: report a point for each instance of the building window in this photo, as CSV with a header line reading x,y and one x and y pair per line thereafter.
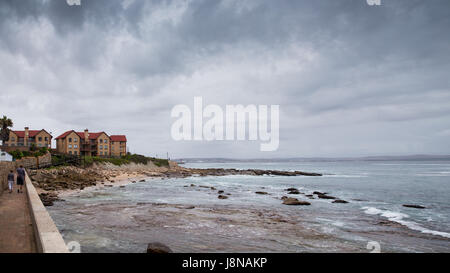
x,y
100,140
46,138
70,146
70,152
106,147
13,139
70,139
75,146
106,141
40,138
101,147
75,140
75,152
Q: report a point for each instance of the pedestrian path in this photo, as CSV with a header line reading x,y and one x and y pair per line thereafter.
x,y
16,230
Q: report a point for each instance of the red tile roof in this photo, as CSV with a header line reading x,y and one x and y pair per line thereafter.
x,y
64,135
31,133
81,134
117,138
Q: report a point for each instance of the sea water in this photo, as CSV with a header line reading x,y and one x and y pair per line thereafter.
x,y
186,214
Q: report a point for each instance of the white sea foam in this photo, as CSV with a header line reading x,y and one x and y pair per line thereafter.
x,y
346,175
434,174
399,217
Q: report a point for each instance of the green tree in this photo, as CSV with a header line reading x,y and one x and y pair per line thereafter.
x,y
5,124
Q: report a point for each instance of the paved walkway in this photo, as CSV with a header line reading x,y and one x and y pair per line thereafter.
x,y
16,230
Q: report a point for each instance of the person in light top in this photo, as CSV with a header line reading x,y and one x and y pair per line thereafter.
x,y
10,180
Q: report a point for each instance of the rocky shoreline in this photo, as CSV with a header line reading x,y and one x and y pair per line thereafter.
x,y
51,182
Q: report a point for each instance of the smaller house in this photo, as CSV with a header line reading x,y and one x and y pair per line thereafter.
x,y
4,156
27,138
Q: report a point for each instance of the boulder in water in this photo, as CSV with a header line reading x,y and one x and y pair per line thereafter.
x,y
295,202
324,196
340,201
157,248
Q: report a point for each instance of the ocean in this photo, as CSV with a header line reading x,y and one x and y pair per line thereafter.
x,y
187,215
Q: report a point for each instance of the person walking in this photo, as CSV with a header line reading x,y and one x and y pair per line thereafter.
x,y
20,178
10,180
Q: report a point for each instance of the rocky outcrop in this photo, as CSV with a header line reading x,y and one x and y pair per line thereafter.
x,y
261,192
222,172
48,198
76,178
65,178
158,248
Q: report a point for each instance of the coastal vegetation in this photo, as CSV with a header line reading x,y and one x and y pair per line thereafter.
x,y
126,159
17,154
87,161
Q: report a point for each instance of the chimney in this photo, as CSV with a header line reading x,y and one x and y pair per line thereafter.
x,y
86,135
25,137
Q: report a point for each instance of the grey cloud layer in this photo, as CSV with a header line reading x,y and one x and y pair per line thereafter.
x,y
343,72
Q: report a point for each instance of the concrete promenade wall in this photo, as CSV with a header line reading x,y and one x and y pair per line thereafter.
x,y
48,238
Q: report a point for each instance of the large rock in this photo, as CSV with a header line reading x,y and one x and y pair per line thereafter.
x,y
222,196
157,248
324,196
295,202
261,192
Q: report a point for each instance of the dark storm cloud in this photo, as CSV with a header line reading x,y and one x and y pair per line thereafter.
x,y
335,67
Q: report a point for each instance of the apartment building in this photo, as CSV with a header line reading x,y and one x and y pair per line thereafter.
x,y
27,138
89,144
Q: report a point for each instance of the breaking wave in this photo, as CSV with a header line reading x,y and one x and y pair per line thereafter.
x,y
399,217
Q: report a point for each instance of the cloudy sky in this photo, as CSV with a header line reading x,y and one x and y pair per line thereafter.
x,y
351,79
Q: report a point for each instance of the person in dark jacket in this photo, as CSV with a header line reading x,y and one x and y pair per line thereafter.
x,y
10,180
20,178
